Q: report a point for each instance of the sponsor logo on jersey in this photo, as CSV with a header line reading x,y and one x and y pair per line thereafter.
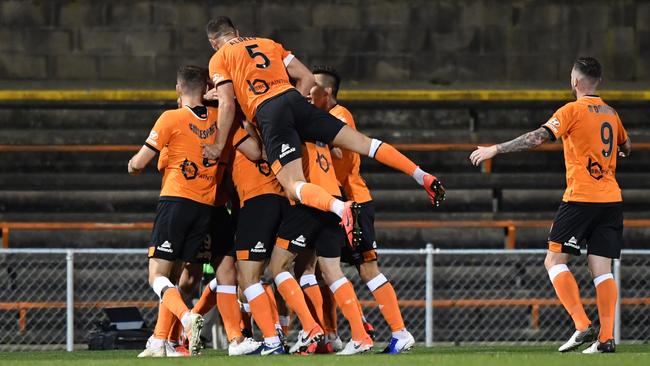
x,y
189,169
259,248
286,150
553,124
153,138
573,243
165,247
299,241
203,134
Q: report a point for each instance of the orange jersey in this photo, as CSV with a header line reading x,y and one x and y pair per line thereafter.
x,y
256,67
180,132
252,179
348,168
591,132
318,168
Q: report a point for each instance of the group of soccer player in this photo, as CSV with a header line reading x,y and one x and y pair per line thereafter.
x,y
261,133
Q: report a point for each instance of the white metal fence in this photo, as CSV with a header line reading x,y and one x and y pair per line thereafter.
x,y
53,298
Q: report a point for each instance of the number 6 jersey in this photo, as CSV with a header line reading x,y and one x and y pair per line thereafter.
x,y
591,132
256,67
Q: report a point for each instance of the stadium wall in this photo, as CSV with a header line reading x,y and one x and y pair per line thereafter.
x,y
47,44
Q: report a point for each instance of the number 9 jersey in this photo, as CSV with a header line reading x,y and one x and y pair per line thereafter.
x,y
255,66
591,132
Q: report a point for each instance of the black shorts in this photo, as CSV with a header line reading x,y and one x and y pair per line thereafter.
x,y
221,235
308,228
180,230
286,120
367,249
598,226
257,228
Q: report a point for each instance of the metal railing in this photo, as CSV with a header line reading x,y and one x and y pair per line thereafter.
x,y
52,297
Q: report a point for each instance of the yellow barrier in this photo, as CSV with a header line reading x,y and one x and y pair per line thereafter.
x,y
123,95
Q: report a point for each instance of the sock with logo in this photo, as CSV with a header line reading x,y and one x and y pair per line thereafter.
x,y
261,309
295,300
389,156
229,309
315,196
208,298
567,291
313,296
163,323
274,305
606,295
385,296
347,301
330,317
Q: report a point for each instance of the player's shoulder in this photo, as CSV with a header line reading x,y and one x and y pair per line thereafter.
x,y
342,113
173,114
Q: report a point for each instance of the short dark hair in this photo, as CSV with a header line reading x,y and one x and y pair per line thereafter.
x,y
335,78
220,26
589,67
192,78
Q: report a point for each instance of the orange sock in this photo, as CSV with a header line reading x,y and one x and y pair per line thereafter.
x,y
229,309
315,302
315,196
261,309
329,311
567,291
175,331
606,294
207,301
163,323
389,156
387,300
274,306
347,301
295,300
173,300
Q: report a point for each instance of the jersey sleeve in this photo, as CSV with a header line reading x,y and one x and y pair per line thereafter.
x,y
287,56
241,135
218,69
160,133
621,136
561,121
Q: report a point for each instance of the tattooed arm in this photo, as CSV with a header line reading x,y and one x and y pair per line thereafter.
x,y
526,141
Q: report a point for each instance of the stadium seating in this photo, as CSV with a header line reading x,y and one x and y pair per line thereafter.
x,y
72,183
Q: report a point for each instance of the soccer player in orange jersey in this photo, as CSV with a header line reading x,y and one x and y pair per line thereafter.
x,y
257,71
186,198
591,212
364,256
306,228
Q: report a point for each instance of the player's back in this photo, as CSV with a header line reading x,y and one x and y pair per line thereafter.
x,y
591,132
256,67
180,133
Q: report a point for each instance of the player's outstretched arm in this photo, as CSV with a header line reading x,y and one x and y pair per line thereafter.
x,y
302,75
524,142
225,117
625,148
140,160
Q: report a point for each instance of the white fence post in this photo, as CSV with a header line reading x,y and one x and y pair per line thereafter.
x,y
69,258
617,316
429,296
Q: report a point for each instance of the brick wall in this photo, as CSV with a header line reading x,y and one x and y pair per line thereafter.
x,y
140,43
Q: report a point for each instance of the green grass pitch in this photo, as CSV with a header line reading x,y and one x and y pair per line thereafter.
x,y
438,356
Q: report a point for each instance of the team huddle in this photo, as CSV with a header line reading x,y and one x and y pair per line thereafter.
x,y
259,132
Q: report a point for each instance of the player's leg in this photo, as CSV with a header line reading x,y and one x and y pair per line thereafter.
x,y
305,270
605,244
331,342
166,325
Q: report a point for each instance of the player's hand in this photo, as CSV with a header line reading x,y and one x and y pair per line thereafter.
x,y
211,151
483,153
337,153
211,94
132,170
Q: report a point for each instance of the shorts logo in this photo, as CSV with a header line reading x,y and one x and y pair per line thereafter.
x,y
299,241
573,243
286,150
165,247
259,248
374,245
